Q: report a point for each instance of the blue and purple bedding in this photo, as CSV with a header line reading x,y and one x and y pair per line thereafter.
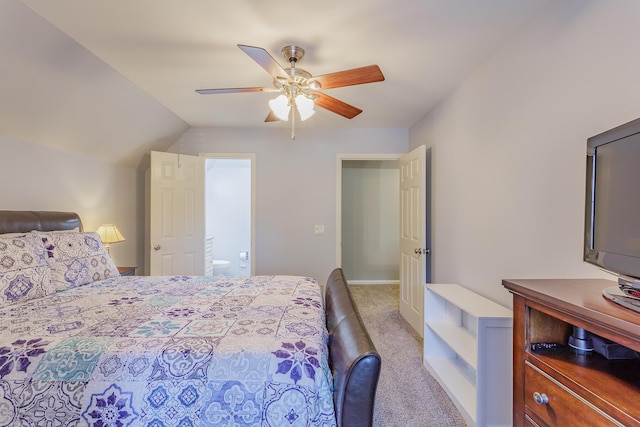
x,y
157,351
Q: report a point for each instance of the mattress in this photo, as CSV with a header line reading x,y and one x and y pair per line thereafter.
x,y
168,351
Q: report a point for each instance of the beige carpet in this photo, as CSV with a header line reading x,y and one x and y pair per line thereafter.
x,y
407,396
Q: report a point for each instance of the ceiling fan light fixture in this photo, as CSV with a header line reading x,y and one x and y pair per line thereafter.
x,y
305,106
280,106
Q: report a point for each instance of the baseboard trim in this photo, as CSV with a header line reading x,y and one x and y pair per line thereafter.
x,y
373,282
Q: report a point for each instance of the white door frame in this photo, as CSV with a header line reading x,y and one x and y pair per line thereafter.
x,y
252,158
340,157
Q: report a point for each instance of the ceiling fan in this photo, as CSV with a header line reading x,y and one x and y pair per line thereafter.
x,y
299,90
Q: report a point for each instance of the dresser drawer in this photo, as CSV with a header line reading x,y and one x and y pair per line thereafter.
x,y
561,407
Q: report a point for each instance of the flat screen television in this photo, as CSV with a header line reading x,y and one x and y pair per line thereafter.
x,y
612,213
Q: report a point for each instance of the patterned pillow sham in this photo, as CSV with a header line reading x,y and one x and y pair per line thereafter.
x,y
76,258
24,271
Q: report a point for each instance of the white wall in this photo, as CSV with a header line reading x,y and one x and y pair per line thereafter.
x,y
509,146
37,178
295,187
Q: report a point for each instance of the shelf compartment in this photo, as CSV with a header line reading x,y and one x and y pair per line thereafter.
x,y
450,374
460,339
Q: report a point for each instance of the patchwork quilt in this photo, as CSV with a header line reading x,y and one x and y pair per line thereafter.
x,y
167,351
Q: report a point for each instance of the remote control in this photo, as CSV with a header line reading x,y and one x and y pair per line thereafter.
x,y
546,346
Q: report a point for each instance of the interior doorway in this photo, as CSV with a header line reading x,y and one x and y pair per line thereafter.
x,y
229,214
368,209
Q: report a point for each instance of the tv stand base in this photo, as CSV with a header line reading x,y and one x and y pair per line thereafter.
x,y
614,294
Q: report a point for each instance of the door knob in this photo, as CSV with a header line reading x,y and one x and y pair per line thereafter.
x,y
156,247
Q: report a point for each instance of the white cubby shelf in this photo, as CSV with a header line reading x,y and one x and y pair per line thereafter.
x,y
468,350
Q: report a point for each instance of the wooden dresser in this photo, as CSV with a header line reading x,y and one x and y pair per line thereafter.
x,y
558,387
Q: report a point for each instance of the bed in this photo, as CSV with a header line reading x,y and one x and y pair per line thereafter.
x,y
82,346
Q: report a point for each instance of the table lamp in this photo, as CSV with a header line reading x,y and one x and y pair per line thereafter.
x,y
109,234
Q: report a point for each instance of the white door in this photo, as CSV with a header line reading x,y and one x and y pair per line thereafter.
x,y
176,214
413,244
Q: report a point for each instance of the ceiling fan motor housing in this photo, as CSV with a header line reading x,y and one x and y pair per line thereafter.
x,y
292,53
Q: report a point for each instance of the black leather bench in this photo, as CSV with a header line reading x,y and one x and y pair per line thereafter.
x,y
354,361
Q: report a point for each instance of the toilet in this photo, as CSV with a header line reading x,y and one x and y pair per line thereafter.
x,y
220,267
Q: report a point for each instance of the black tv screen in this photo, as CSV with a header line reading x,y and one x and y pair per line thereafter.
x,y
612,214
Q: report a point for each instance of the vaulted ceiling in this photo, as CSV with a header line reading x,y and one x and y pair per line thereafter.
x,y
113,79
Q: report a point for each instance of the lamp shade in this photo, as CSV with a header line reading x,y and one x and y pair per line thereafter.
x,y
109,233
280,107
305,107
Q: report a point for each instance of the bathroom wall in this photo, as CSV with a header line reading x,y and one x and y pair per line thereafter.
x,y
228,211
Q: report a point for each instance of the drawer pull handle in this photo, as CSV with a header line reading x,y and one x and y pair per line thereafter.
x,y
540,398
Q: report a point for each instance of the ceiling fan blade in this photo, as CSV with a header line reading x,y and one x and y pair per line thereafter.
x,y
355,76
271,117
336,106
233,90
265,60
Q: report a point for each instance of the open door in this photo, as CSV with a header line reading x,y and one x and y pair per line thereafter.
x,y
414,253
176,205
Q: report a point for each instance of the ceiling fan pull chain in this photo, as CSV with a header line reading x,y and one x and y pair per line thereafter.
x,y
293,120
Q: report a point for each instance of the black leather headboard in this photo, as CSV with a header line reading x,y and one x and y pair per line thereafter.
x,y
355,362
25,221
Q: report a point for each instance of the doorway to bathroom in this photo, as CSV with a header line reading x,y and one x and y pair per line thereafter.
x,y
229,214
